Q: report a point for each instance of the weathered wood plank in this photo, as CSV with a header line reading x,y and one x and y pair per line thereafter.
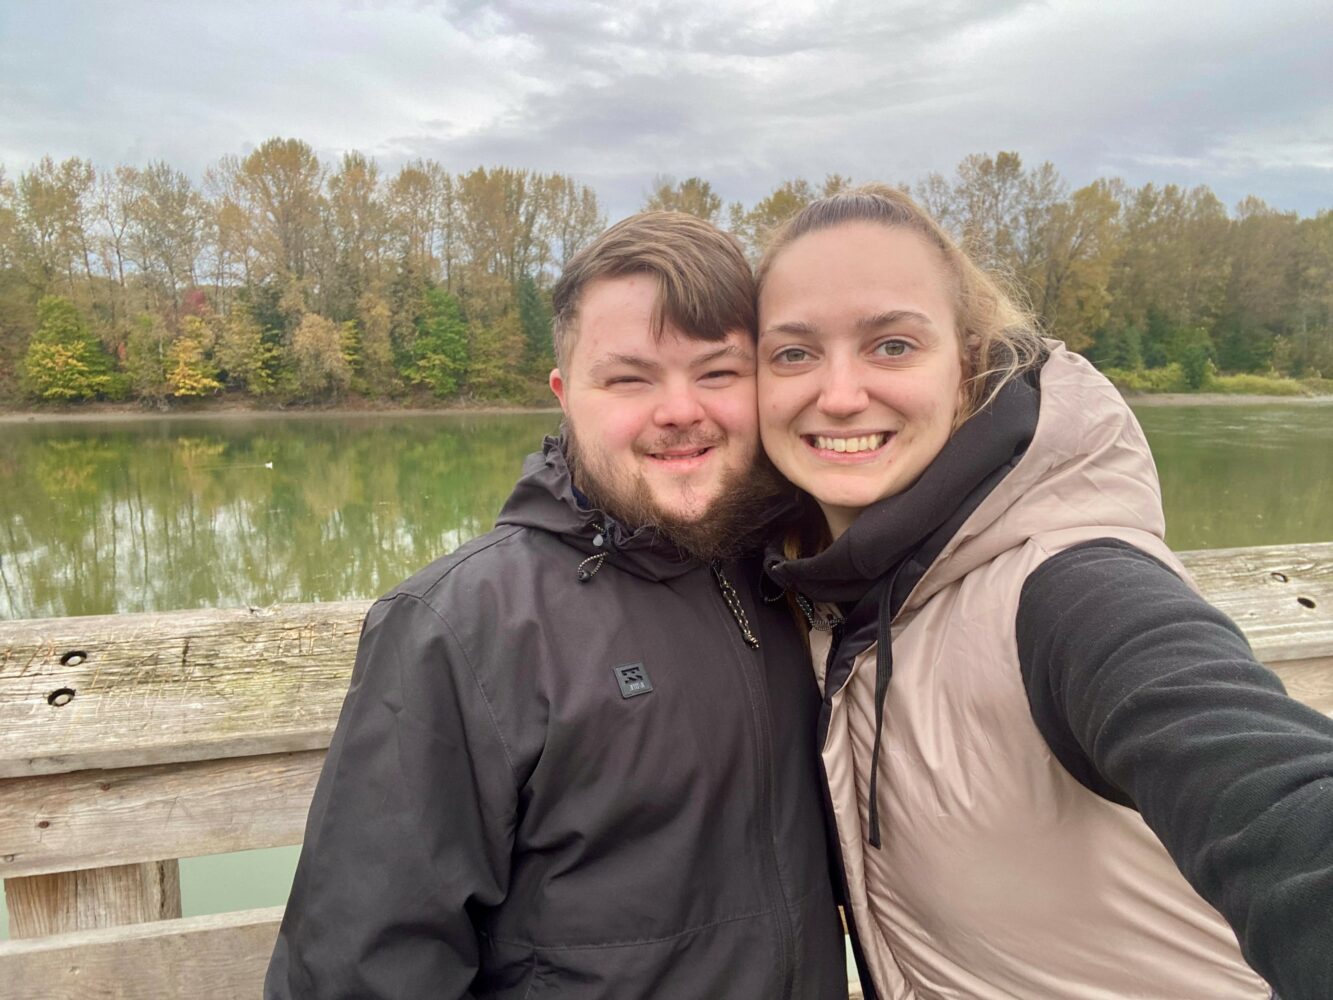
x,y
220,957
199,685
1310,681
89,819
100,897
151,688
1280,595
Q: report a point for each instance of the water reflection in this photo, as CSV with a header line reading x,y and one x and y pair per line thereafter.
x,y
1243,475
157,515
160,514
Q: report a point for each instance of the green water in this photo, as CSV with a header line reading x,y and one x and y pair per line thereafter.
x,y
159,514
1243,475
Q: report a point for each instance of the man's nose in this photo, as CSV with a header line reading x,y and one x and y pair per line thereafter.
x,y
679,406
843,392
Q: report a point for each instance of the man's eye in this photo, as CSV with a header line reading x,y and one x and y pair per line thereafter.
x,y
625,380
720,373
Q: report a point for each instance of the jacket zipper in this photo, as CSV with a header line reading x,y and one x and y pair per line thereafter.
x,y
764,741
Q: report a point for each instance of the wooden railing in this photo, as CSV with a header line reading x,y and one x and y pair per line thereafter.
x,y
129,741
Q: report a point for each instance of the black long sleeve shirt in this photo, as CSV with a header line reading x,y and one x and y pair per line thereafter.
x,y
1152,698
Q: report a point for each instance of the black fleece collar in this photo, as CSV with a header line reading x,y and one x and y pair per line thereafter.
x,y
970,465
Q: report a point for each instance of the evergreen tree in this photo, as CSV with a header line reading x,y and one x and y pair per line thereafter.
x,y
534,317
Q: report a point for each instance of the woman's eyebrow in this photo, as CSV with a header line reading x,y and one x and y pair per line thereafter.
x,y
795,327
893,317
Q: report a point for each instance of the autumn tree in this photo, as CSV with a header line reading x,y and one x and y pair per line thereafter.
x,y
375,322
1079,244
54,204
693,196
245,360
147,357
190,367
355,227
574,218
280,183
495,352
322,368
64,361
165,231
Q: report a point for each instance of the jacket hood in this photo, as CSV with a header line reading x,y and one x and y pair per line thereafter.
x,y
1088,463
544,498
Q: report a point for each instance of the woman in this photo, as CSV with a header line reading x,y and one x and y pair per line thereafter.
x,y
1055,771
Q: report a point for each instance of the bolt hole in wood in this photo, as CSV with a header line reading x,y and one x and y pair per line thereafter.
x,y
43,824
73,658
1305,602
1280,577
60,697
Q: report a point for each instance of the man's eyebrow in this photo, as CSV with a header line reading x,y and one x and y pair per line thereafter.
x,y
649,365
725,351
624,361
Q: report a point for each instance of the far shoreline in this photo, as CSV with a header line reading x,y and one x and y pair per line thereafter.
x,y
229,410
237,410
1216,399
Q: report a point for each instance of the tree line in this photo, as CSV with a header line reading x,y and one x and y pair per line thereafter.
x,y
285,278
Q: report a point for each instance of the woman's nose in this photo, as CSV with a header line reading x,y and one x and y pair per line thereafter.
x,y
842,393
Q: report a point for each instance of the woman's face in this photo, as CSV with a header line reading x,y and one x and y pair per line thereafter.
x,y
860,373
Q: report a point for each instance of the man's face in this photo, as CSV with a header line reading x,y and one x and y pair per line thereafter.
x,y
664,429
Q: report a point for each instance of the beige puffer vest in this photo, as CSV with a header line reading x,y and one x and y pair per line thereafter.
x,y
1000,876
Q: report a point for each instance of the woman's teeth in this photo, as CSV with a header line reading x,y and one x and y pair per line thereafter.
x,y
867,442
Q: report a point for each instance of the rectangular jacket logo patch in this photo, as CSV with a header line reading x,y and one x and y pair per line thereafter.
x,y
633,680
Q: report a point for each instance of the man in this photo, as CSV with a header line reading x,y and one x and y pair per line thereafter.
x,y
576,758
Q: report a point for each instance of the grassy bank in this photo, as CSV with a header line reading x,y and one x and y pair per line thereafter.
x,y
244,406
1173,379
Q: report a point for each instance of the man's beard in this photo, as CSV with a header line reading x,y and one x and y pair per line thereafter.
x,y
725,528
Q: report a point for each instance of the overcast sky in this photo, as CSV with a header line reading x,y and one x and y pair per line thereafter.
x,y
1235,95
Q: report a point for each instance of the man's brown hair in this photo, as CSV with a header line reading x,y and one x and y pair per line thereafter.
x,y
705,288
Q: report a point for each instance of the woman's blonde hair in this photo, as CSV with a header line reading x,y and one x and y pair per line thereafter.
x,y
998,338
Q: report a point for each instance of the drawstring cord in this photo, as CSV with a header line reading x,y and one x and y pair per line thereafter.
x,y
883,672
816,619
734,603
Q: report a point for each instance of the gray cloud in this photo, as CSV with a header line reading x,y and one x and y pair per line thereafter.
x,y
742,92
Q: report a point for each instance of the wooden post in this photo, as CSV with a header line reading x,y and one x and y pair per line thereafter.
x,y
93,897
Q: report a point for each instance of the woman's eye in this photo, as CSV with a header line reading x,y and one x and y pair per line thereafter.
x,y
893,348
791,356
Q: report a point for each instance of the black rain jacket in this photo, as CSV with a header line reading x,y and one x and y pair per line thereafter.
x,y
562,771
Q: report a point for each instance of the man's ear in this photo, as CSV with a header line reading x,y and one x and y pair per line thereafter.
x,y
557,384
